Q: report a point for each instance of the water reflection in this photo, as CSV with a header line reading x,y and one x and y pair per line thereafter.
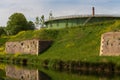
x,y
25,74
11,72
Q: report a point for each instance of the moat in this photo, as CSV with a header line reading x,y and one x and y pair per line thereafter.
x,y
15,72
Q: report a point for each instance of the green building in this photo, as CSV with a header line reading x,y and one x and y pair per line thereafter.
x,y
76,20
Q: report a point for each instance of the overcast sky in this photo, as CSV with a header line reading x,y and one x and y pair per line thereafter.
x,y
33,8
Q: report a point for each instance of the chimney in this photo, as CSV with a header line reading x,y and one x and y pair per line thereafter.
x,y
93,11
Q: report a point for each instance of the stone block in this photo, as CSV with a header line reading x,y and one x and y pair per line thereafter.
x,y
110,44
34,46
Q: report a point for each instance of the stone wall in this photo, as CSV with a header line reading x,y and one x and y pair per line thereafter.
x,y
110,44
34,46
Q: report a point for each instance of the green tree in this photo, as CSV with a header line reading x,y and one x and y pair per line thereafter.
x,y
42,21
37,21
50,15
2,31
16,23
31,25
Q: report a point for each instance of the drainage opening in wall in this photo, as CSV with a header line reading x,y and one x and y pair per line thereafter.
x,y
21,44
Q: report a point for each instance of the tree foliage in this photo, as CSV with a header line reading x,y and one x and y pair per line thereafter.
x,y
40,21
37,21
16,23
31,25
2,31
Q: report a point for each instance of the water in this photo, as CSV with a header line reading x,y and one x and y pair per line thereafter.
x,y
13,72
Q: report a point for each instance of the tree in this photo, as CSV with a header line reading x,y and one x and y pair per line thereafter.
x,y
2,31
37,21
42,21
50,15
16,23
31,25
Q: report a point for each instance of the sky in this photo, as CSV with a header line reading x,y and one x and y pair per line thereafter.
x,y
33,8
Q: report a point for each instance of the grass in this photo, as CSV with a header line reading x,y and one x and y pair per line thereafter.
x,y
42,34
75,44
80,43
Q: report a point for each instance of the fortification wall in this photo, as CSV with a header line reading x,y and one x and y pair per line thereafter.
x,y
110,44
34,46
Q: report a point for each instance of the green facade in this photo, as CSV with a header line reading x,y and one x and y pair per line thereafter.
x,y
71,22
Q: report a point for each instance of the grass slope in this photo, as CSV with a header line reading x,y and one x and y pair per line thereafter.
x,y
75,43
80,43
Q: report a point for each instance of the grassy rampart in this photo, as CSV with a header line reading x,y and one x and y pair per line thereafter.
x,y
75,44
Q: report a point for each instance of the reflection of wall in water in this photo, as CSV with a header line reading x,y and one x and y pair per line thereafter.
x,y
21,74
25,74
